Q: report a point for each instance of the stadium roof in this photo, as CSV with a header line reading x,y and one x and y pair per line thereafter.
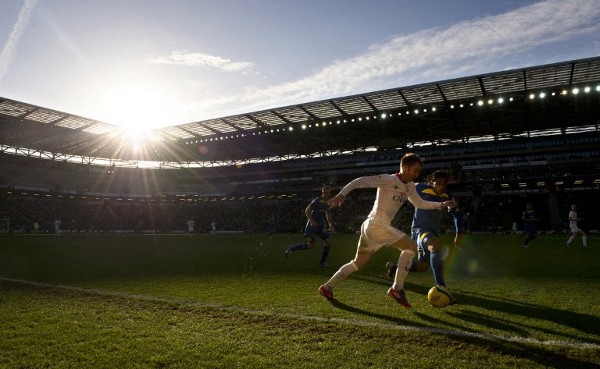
x,y
519,102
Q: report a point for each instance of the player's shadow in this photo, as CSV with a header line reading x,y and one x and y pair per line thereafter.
x,y
545,356
352,309
584,323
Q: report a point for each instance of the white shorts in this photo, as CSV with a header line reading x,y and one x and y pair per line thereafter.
x,y
374,236
575,229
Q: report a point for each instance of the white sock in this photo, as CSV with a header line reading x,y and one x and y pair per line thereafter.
x,y
584,239
404,261
570,239
341,274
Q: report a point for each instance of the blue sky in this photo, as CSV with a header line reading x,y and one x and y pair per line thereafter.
x,y
160,63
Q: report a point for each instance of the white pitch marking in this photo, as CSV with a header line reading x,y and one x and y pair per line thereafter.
x,y
485,336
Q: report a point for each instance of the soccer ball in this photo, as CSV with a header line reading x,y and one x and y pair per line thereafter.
x,y
438,297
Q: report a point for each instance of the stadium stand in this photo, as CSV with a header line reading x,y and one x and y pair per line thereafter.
x,y
509,137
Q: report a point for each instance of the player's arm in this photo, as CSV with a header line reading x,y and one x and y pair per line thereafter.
x,y
458,226
420,203
330,220
361,182
308,213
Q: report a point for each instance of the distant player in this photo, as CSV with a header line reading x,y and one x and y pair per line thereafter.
x,y
575,230
57,224
190,225
427,227
529,229
319,216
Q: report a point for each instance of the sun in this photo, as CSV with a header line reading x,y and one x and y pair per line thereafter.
x,y
138,109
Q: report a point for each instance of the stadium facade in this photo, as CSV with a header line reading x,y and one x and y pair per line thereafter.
x,y
529,134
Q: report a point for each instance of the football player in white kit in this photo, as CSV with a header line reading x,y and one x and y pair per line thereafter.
x,y
376,231
575,230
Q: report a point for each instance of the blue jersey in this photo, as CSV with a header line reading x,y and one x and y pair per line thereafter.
x,y
528,219
318,210
430,220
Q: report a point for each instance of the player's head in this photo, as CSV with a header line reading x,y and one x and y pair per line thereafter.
x,y
574,207
325,190
439,181
529,206
410,167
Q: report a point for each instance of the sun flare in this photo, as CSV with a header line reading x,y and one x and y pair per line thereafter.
x,y
138,109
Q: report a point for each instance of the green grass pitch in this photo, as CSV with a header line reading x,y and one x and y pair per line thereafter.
x,y
233,301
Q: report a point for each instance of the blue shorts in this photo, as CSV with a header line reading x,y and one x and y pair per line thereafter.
x,y
530,230
313,233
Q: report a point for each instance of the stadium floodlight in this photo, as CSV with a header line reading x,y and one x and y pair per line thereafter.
x,y
416,111
575,91
542,95
500,100
598,88
490,101
433,109
383,115
531,96
587,89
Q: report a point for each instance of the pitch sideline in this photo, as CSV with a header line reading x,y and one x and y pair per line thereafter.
x,y
489,337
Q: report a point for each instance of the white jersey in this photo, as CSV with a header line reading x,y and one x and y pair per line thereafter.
x,y
573,218
392,193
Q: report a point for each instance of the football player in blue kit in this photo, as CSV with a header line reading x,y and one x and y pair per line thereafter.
x,y
529,218
427,227
318,213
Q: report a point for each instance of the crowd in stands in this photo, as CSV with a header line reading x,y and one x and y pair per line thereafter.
x,y
90,198
487,211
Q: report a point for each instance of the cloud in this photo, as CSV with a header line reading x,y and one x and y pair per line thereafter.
x,y
202,60
9,49
471,46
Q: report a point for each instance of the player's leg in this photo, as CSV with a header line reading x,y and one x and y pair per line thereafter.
x,y
308,244
436,260
421,238
529,235
526,240
583,238
362,257
324,235
408,249
368,243
421,263
574,232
